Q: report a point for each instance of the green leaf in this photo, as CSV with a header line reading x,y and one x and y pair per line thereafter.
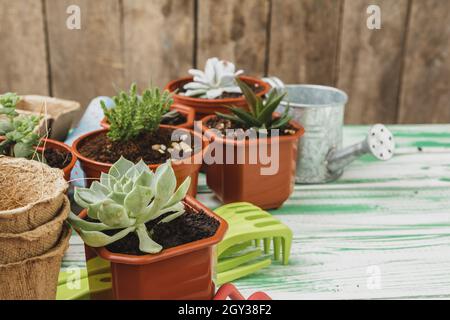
x,y
250,96
166,181
99,188
180,194
23,150
107,181
145,179
80,224
146,244
246,117
141,167
114,215
120,168
118,197
88,196
138,199
97,239
266,114
231,118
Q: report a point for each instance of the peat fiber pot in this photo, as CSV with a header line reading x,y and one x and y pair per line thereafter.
x,y
187,112
50,144
204,107
31,194
242,181
35,278
15,247
184,168
184,272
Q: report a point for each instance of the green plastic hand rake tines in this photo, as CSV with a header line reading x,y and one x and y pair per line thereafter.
x,y
239,251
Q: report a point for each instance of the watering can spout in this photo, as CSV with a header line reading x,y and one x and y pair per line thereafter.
x,y
380,142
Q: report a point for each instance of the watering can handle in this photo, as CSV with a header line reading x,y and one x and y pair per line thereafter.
x,y
275,83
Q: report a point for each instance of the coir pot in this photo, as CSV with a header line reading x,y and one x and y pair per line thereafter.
x,y
184,168
187,112
180,273
204,107
250,180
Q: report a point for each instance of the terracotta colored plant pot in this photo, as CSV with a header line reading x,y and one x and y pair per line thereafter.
x,y
204,107
186,111
188,167
53,144
244,182
181,273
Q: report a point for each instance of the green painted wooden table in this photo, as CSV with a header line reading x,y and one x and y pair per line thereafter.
x,y
381,231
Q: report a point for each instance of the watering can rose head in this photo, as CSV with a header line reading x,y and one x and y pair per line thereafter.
x,y
261,112
125,199
218,78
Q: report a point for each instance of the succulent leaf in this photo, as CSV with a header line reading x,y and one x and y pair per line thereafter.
x,y
218,77
146,244
98,239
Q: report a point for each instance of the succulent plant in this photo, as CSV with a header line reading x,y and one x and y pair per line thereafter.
x,y
218,78
134,114
261,112
20,131
8,102
125,199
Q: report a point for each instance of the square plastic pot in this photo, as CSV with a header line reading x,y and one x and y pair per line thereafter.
x,y
243,181
181,273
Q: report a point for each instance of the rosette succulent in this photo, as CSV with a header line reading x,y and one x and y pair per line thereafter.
x,y
125,199
218,78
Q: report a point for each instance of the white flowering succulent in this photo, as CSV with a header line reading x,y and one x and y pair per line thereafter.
x,y
218,78
125,200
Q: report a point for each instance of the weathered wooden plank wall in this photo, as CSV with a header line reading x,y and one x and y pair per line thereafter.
x,y
400,73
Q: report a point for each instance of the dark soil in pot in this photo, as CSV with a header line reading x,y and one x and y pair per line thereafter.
x,y
102,149
222,125
227,95
57,158
175,121
189,227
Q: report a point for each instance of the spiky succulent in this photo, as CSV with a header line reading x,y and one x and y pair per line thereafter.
x,y
134,114
261,112
126,199
218,78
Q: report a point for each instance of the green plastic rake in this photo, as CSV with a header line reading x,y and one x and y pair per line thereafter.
x,y
240,252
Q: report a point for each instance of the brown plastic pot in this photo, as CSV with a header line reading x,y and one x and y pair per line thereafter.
x,y
53,144
244,182
184,168
188,112
181,273
204,107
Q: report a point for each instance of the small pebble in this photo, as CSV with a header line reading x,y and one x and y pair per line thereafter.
x,y
156,147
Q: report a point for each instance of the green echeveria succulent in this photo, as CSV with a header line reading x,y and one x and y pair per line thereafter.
x,y
8,102
126,199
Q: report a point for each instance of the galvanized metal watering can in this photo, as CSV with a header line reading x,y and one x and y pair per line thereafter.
x,y
320,110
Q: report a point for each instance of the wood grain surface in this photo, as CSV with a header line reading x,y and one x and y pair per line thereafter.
x,y
23,56
370,61
425,92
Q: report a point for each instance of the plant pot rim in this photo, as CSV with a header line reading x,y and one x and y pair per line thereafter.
x,y
214,102
171,252
188,112
81,157
62,145
300,132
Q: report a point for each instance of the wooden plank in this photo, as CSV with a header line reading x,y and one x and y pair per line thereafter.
x,y
158,40
234,30
425,95
23,62
88,62
304,40
370,61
